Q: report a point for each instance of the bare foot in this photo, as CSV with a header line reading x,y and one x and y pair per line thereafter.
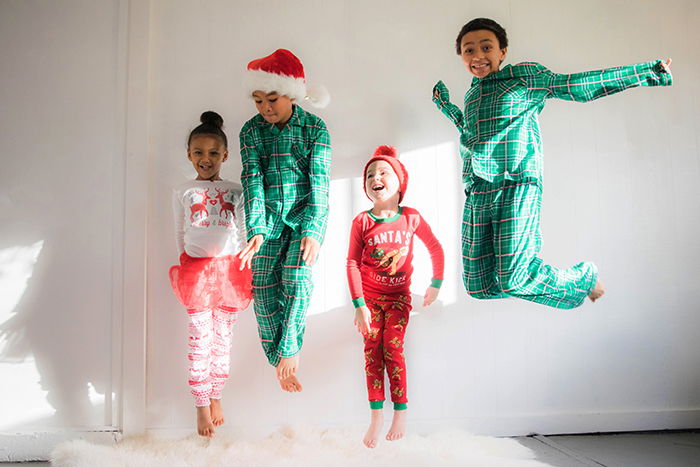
x,y
287,367
217,413
597,291
375,426
205,427
291,384
398,426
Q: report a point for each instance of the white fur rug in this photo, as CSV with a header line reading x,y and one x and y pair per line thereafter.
x,y
291,447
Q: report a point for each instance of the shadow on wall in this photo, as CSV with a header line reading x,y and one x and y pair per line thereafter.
x,y
55,317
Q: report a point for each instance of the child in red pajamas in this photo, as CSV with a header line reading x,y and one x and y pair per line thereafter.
x,y
379,275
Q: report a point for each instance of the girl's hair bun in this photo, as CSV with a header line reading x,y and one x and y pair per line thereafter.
x,y
212,124
212,118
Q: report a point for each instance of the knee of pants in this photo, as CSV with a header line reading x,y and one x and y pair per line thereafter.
x,y
393,346
513,281
225,316
483,294
264,279
480,295
297,280
200,333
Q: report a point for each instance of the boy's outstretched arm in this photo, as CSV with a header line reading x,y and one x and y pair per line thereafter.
x,y
590,85
316,211
437,257
441,97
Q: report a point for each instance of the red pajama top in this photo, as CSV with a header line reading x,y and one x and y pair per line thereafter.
x,y
381,253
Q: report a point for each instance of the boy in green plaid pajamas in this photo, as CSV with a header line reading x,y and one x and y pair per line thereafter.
x,y
286,157
501,150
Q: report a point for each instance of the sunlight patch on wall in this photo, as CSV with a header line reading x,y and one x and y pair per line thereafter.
x,y
21,395
434,189
16,266
22,398
330,284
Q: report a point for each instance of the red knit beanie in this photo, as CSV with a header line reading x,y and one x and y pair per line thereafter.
x,y
390,155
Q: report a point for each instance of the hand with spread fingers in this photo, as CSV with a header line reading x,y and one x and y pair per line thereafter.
x,y
247,253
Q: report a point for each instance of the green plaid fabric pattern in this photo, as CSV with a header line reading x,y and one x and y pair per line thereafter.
x,y
282,290
286,178
499,127
286,175
500,241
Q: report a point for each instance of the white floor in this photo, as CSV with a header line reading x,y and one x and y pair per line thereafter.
x,y
665,449
677,449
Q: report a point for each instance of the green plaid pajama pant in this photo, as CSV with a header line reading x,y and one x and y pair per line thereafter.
x,y
282,291
501,238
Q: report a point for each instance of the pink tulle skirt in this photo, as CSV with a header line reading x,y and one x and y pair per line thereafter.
x,y
205,283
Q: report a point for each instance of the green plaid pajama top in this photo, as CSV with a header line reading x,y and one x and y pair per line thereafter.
x,y
286,175
501,150
499,127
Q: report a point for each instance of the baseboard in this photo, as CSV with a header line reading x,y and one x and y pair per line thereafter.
x,y
37,445
510,425
566,423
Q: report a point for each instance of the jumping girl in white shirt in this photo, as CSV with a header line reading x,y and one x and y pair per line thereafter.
x,y
210,230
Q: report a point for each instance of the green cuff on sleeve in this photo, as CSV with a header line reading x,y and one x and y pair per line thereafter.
x,y
313,234
665,77
257,230
437,283
400,405
358,302
376,405
443,94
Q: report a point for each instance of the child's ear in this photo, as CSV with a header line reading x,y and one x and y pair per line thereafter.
x,y
225,156
504,52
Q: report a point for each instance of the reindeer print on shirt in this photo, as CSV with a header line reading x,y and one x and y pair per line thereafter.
x,y
226,207
206,210
200,207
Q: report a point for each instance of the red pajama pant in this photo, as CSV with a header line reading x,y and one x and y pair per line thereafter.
x,y
213,290
384,345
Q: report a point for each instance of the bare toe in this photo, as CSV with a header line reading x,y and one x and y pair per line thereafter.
x,y
291,384
597,292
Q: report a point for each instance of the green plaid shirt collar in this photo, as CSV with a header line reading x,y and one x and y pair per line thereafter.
x,y
286,175
523,70
298,118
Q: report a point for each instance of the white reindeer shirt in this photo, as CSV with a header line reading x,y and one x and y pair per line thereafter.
x,y
209,218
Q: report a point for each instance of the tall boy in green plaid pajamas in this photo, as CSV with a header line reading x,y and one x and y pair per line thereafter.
x,y
286,156
501,150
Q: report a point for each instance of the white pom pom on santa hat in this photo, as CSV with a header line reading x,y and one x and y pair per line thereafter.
x,y
282,72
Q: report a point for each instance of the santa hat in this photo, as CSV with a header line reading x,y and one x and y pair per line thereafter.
x,y
282,72
390,155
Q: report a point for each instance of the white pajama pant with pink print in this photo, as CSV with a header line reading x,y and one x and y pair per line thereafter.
x,y
209,351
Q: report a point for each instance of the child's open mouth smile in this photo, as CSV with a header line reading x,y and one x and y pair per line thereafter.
x,y
480,66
